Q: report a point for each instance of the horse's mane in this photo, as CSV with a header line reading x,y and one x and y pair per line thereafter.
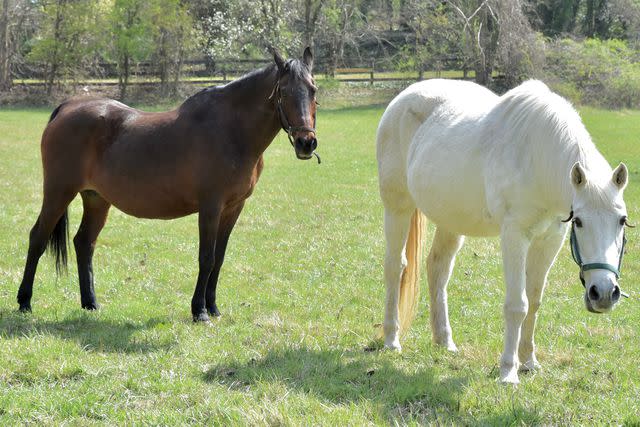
x,y
532,114
250,82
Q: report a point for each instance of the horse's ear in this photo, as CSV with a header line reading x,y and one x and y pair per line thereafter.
x,y
307,58
578,176
620,176
278,59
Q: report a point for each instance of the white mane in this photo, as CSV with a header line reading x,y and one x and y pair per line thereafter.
x,y
548,131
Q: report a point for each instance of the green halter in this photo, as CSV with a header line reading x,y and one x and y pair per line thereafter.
x,y
575,253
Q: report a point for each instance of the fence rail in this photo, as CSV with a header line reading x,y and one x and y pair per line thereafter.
x,y
206,71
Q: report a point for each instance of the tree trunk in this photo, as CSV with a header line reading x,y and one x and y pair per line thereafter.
x,y
311,14
123,76
54,64
5,46
163,63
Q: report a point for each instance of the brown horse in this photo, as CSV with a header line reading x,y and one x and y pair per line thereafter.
x,y
205,156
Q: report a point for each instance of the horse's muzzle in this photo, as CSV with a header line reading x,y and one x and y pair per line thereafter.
x,y
601,297
305,147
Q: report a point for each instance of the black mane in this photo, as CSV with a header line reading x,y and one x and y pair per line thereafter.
x,y
250,82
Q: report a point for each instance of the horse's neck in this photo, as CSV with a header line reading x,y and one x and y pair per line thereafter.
x,y
254,95
249,103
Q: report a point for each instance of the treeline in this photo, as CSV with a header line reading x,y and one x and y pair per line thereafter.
x,y
571,42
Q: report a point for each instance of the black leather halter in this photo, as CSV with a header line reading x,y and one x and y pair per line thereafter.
x,y
284,122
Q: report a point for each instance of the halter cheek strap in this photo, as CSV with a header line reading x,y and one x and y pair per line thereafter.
x,y
284,123
575,253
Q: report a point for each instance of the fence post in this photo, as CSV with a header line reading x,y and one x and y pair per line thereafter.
x,y
373,64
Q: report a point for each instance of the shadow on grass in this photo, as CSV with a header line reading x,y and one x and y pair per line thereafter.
x,y
87,329
339,377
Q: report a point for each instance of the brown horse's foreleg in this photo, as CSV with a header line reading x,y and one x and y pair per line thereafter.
x,y
53,210
227,223
208,224
93,219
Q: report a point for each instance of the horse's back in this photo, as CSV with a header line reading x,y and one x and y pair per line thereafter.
x,y
407,113
428,158
131,158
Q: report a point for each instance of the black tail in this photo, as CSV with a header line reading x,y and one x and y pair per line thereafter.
x,y
58,242
55,112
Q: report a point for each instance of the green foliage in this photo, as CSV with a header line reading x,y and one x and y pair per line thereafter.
x,y
300,291
604,72
131,29
71,38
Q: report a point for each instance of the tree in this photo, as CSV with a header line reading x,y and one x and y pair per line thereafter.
x,y
17,25
497,33
5,67
341,21
434,33
69,40
479,34
132,41
312,9
172,38
554,17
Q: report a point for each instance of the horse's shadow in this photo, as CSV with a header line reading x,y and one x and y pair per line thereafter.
x,y
343,377
89,331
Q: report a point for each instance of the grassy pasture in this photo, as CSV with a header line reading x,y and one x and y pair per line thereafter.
x,y
300,292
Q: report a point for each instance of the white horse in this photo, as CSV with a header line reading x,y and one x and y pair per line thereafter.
x,y
476,164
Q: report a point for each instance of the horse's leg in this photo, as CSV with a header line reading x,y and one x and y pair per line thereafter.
x,y
396,229
208,222
515,245
540,258
440,264
226,226
93,219
53,209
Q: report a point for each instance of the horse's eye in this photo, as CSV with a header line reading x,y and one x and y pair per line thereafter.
x,y
625,221
578,222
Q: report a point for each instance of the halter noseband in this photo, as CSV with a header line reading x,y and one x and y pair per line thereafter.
x,y
284,122
575,253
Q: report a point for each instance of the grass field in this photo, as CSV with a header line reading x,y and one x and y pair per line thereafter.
x,y
300,292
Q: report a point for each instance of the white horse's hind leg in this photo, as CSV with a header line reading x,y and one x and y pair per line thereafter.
x,y
540,258
396,229
439,267
515,246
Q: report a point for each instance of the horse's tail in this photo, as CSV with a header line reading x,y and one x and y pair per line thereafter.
x,y
57,243
410,279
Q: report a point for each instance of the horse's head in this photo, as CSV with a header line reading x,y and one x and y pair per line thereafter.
x,y
598,218
295,98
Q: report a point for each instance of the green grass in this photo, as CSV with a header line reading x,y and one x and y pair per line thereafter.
x,y
300,292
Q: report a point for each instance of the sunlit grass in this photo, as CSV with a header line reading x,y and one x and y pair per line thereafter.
x,y
300,292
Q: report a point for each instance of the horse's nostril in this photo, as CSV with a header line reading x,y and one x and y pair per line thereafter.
x,y
593,293
615,295
314,143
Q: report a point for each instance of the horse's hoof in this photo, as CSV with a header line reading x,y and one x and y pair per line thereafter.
x,y
395,347
201,317
91,306
509,376
214,312
448,344
25,308
530,365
